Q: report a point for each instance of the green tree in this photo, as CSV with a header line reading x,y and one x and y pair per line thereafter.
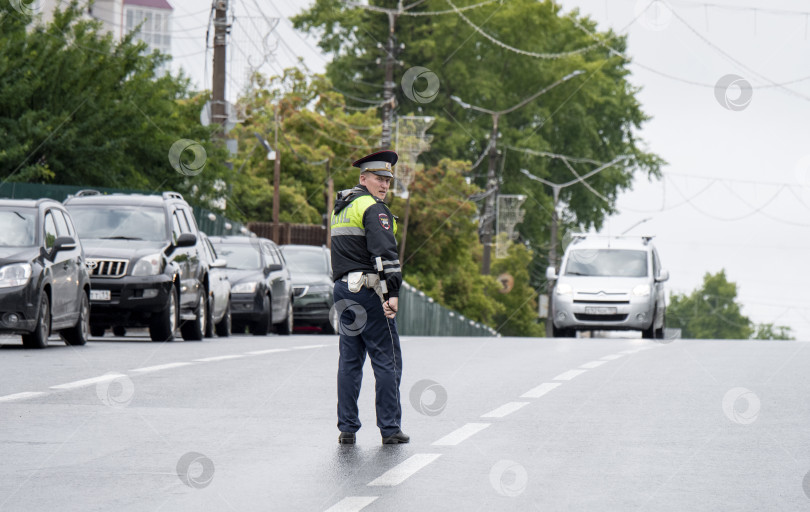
x,y
709,312
78,108
595,115
769,331
314,130
519,317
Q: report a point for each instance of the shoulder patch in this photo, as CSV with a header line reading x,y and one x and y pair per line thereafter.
x,y
384,221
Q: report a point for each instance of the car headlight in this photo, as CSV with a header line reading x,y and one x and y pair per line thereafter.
x,y
641,290
148,265
14,275
564,289
249,287
319,288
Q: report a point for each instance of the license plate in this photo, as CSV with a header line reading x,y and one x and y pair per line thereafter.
x,y
99,294
600,311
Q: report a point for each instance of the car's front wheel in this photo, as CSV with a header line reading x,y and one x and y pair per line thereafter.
x,y
195,329
78,334
286,327
163,325
226,324
39,338
262,326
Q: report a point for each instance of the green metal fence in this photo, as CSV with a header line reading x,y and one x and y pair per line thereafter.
x,y
209,222
420,315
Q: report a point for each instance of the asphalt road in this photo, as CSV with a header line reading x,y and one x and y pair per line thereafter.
x,y
248,423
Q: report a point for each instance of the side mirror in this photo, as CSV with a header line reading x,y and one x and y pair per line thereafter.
x,y
275,267
186,240
63,243
663,275
551,274
219,263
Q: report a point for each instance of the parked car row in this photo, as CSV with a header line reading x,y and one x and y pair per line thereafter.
x,y
99,262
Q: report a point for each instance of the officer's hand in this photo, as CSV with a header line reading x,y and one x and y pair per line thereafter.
x,y
390,307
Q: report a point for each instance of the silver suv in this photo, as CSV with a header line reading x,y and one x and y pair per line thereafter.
x,y
609,283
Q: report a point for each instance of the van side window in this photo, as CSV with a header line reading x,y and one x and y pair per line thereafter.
x,y
50,230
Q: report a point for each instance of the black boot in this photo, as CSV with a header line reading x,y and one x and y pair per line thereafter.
x,y
346,438
398,438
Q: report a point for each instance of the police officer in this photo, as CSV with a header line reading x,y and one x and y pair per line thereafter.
x,y
363,230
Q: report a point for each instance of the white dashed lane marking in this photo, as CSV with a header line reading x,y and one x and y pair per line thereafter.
x,y
612,357
592,364
22,396
267,351
302,347
570,374
352,504
404,470
505,410
157,368
457,436
219,358
540,390
88,382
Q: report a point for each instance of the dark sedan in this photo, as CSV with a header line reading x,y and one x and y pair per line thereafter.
x,y
44,281
261,290
311,270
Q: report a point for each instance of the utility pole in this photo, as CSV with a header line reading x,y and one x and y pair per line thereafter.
x,y
492,182
330,202
219,113
276,181
388,90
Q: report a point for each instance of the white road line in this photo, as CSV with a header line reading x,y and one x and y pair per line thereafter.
x,y
89,382
612,357
540,390
352,504
219,358
159,367
404,469
302,347
570,374
22,396
459,435
505,410
268,351
631,351
592,364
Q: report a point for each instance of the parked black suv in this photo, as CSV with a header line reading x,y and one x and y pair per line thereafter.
x,y
147,265
44,282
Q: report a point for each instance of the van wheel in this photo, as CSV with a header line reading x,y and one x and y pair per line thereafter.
x,y
39,338
650,333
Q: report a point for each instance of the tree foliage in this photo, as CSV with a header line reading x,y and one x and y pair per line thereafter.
x,y
593,116
711,312
78,108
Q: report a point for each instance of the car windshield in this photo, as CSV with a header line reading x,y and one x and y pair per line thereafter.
x,y
120,222
305,261
607,263
18,227
240,257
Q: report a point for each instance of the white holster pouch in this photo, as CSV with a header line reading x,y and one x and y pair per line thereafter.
x,y
373,282
355,280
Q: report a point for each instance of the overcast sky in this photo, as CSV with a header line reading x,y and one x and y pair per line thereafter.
x,y
735,194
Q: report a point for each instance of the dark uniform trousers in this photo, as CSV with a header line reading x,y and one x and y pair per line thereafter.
x,y
382,347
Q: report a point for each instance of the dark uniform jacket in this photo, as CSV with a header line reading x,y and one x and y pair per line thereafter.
x,y
363,228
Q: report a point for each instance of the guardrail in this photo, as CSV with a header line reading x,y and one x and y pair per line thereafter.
x,y
420,315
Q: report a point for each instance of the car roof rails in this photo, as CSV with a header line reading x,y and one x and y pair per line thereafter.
x,y
576,237
173,195
87,192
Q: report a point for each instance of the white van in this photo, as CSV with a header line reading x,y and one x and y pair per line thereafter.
x,y
609,283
